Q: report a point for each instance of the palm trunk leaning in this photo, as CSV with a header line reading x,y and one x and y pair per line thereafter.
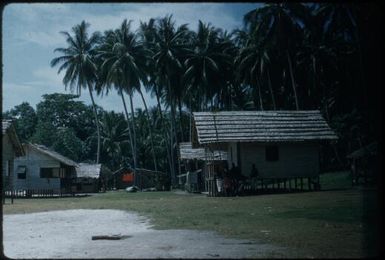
x,y
129,129
292,80
96,122
149,130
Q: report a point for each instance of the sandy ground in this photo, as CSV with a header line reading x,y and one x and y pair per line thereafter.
x,y
67,234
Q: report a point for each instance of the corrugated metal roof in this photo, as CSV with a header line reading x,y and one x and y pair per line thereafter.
x,y
261,126
43,149
188,153
86,170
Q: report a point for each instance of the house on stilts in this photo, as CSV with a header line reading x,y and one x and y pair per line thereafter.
x,y
194,162
283,146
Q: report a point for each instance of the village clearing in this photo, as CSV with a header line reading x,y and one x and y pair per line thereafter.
x,y
335,222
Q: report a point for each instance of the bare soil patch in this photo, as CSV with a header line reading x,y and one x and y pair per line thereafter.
x,y
68,234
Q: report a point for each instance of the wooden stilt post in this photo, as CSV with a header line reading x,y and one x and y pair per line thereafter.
x,y
295,183
309,183
284,184
301,183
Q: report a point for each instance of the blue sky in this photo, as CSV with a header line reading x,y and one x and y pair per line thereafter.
x,y
31,33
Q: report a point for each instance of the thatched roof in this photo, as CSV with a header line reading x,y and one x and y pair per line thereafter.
x,y
44,150
261,126
368,150
186,152
8,128
86,170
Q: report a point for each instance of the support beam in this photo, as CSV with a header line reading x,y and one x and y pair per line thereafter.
x,y
301,183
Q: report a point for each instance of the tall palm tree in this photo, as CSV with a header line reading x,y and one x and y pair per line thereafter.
x,y
78,61
170,46
147,32
114,132
279,25
204,62
123,64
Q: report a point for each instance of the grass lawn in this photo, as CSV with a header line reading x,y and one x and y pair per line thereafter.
x,y
331,223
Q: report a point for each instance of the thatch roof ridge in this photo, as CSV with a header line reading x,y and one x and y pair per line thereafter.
x,y
262,126
88,170
188,153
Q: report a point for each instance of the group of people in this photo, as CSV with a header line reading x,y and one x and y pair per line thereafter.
x,y
232,181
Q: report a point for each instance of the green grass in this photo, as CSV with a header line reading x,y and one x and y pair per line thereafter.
x,y
311,224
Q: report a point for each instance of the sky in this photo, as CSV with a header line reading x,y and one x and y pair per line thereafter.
x,y
31,32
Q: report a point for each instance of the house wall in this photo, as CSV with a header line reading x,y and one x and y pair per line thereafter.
x,y
33,161
295,160
8,155
232,154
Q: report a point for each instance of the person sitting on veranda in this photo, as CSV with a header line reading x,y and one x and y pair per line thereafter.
x,y
238,179
227,184
254,176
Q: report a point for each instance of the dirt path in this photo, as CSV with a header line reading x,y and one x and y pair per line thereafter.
x,y
67,234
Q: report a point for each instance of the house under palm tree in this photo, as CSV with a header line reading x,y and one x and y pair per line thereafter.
x,y
280,144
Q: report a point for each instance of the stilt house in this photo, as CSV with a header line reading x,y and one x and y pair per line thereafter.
x,y
11,148
194,162
282,145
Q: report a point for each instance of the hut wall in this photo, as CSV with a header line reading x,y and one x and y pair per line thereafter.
x,y
295,160
232,154
33,162
8,155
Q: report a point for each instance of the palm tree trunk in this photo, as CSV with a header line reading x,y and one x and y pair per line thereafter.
x,y
129,129
133,121
173,137
191,115
271,90
260,95
149,130
96,122
169,158
292,80
180,119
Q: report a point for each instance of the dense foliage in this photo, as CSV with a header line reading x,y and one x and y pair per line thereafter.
x,y
288,56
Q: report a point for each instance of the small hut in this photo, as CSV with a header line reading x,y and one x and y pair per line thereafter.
x,y
146,179
363,164
280,145
91,177
123,178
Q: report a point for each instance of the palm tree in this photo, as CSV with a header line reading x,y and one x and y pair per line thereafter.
x,y
279,26
204,62
170,47
251,64
147,32
114,132
123,60
78,61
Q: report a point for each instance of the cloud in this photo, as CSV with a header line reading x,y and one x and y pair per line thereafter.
x,y
32,31
41,23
